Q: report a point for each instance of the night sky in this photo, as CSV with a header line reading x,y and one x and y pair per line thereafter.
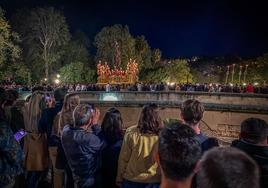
x,y
178,28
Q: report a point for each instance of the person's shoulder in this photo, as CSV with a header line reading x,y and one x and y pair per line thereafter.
x,y
66,128
132,129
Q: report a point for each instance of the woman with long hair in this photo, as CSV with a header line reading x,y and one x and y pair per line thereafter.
x,y
111,126
64,117
136,166
35,143
71,101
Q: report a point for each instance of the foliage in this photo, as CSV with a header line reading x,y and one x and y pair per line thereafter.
x,y
143,53
158,74
107,40
156,56
262,67
200,77
77,72
11,66
177,71
9,50
76,50
44,32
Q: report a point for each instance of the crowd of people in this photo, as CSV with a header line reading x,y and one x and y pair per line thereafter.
x,y
60,142
206,87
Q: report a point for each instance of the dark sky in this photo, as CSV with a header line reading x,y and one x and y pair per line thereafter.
x,y
178,28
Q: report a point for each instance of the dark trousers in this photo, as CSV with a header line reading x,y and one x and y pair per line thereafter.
x,y
33,178
130,184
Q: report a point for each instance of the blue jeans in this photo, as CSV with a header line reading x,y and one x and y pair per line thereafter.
x,y
131,184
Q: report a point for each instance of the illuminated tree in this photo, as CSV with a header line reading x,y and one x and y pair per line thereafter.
x,y
110,39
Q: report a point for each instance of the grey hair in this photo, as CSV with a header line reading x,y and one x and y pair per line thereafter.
x,y
81,115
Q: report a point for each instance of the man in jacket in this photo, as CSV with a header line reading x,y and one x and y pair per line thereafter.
x,y
254,141
82,143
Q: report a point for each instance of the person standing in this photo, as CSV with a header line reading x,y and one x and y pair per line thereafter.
x,y
35,143
46,126
11,154
254,141
136,167
178,155
111,126
82,143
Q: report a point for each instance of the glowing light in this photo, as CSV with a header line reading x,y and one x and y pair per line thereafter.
x,y
172,83
256,83
58,76
45,79
244,84
110,97
231,84
57,81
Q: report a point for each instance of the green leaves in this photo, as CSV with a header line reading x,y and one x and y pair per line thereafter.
x,y
77,72
115,42
9,50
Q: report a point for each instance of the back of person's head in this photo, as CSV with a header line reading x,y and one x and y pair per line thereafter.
x,y
192,111
254,130
150,121
70,102
37,88
33,110
179,151
82,114
12,96
112,125
227,168
59,94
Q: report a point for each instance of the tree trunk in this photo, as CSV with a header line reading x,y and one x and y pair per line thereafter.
x,y
46,64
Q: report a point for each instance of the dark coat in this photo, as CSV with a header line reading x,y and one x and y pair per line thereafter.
x,y
259,154
46,123
83,152
11,155
110,157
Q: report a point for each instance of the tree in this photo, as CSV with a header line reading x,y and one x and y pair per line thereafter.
x,y
9,50
112,42
176,71
179,71
157,74
143,53
77,72
262,67
44,32
76,50
156,56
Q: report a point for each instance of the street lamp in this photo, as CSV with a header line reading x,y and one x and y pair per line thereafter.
x,y
58,76
57,81
45,79
245,73
233,73
240,73
227,74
